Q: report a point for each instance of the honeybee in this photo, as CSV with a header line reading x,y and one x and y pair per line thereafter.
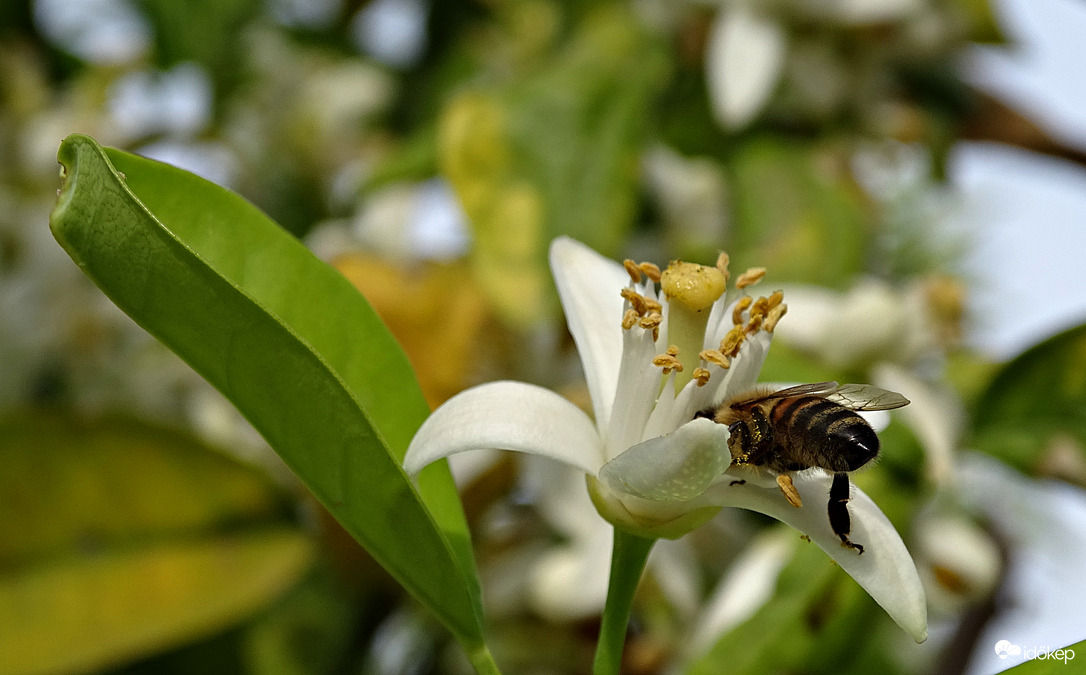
x,y
809,425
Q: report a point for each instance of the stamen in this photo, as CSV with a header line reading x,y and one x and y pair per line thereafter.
x,y
652,320
701,376
650,270
758,311
729,346
715,357
750,277
774,316
632,270
669,360
741,306
759,307
629,318
775,298
722,261
636,300
755,324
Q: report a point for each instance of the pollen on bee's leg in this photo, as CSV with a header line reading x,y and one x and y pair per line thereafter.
x,y
701,376
784,482
750,277
669,360
715,357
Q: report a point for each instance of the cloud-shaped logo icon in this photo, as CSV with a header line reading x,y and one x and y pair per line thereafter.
x,y
1005,648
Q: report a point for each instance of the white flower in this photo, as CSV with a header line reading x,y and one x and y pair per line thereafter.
x,y
652,361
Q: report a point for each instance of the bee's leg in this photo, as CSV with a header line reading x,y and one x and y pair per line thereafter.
x,y
838,510
784,481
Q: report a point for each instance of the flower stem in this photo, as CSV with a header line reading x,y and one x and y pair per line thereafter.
x,y
629,554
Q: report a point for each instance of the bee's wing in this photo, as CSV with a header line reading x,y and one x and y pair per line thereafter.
x,y
867,397
815,389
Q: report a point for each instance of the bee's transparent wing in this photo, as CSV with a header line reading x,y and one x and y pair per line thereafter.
x,y
867,397
815,389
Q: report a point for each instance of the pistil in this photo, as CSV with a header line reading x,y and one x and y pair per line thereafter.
x,y
691,290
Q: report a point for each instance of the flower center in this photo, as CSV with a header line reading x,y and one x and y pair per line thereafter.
x,y
691,291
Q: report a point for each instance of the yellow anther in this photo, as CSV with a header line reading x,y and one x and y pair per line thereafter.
x,y
750,277
651,320
755,323
669,360
715,357
759,308
636,300
629,318
652,306
775,298
632,270
650,270
741,306
722,261
701,376
695,286
729,346
774,316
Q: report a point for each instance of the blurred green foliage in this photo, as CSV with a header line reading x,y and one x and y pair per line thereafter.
x,y
543,117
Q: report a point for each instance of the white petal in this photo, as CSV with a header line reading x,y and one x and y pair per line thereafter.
x,y
749,584
508,416
559,495
635,398
743,63
885,569
676,467
570,582
589,287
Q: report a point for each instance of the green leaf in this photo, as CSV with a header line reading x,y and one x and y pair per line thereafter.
x,y
289,341
1036,405
120,539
